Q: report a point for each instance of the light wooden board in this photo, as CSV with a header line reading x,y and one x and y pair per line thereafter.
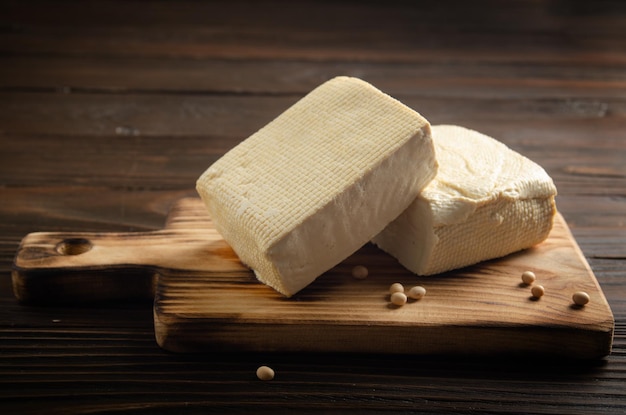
x,y
207,300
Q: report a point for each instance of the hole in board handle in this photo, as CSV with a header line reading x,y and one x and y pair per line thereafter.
x,y
73,246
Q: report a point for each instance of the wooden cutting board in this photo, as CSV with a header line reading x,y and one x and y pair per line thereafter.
x,y
206,300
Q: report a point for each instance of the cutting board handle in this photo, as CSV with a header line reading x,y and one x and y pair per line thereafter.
x,y
78,267
68,268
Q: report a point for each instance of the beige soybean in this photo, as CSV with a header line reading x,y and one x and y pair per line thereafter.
x,y
398,298
360,272
528,277
580,298
396,287
265,373
417,292
538,291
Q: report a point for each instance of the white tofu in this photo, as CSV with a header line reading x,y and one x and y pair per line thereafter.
x,y
485,202
310,188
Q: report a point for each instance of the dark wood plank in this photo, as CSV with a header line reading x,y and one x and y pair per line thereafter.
x,y
137,115
399,32
435,78
591,163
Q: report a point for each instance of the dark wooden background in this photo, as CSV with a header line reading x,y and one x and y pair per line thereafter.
x,y
110,110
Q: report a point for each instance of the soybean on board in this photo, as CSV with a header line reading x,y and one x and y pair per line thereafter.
x,y
206,300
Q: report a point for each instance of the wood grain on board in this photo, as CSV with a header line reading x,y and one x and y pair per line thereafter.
x,y
207,300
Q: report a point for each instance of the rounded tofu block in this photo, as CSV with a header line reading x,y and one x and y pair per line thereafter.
x,y
485,202
318,182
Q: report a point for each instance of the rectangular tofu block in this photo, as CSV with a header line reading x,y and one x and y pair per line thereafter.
x,y
318,182
485,202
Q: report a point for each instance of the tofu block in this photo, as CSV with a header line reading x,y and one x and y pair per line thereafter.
x,y
318,182
485,202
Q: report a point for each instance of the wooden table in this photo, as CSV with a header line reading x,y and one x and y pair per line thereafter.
x,y
110,110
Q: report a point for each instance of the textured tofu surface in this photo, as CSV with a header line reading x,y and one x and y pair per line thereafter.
x,y
485,202
319,181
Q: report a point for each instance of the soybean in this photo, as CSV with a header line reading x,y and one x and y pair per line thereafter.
x,y
580,298
398,298
265,373
417,292
360,272
528,277
538,291
396,287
